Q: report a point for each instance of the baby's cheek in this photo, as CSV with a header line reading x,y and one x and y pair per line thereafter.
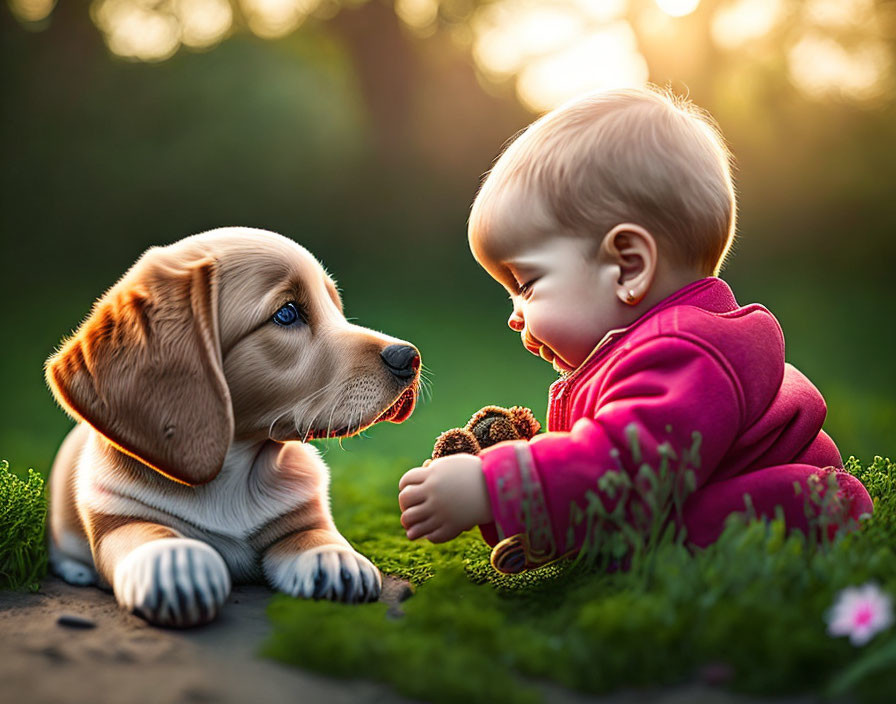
x,y
544,323
564,335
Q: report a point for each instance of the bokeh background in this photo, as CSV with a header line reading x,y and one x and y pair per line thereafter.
x,y
362,130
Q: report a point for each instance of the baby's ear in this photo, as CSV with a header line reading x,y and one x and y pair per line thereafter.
x,y
145,368
633,249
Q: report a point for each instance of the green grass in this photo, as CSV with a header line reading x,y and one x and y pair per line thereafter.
x,y
23,521
752,604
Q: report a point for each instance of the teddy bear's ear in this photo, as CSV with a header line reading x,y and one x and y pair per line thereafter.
x,y
486,413
524,421
455,441
492,425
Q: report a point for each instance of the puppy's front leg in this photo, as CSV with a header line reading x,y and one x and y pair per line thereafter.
x,y
161,576
319,563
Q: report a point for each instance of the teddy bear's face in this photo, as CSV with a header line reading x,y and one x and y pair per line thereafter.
x,y
490,425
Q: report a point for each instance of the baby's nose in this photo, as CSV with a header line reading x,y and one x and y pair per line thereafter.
x,y
515,321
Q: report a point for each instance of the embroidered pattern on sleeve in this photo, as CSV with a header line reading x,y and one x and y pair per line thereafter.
x,y
520,491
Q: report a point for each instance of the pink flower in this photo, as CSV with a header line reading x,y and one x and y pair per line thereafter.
x,y
860,613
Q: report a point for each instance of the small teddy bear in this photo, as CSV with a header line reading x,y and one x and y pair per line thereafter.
x,y
488,426
491,425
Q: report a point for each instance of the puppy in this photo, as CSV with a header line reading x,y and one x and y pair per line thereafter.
x,y
197,380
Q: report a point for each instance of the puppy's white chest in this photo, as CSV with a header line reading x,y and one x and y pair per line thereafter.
x,y
237,505
250,491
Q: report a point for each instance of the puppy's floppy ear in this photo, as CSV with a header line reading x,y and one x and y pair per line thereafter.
x,y
145,368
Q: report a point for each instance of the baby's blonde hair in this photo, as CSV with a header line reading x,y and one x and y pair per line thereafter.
x,y
644,156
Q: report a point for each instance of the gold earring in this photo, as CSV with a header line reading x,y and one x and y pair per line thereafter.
x,y
630,298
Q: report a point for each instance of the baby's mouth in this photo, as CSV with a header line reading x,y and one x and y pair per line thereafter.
x,y
559,365
539,349
531,344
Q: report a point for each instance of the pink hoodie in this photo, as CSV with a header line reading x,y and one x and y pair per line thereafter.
x,y
695,373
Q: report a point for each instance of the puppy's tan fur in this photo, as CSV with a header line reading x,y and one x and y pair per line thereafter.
x,y
189,467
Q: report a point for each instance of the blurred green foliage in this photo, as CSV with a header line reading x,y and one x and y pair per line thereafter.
x,y
368,147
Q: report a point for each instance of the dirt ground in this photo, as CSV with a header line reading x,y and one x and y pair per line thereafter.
x,y
122,659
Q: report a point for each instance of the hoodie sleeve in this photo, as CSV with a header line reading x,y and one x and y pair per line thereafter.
x,y
669,396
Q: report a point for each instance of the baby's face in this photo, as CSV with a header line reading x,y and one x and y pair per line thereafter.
x,y
564,299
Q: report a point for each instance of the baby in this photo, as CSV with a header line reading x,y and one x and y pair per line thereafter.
x,y
607,221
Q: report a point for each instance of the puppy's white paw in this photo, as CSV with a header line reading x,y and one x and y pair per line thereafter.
x,y
73,571
172,582
327,572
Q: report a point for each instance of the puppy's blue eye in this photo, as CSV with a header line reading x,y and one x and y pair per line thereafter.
x,y
288,315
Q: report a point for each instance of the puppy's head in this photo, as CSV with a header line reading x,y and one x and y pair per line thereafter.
x,y
232,334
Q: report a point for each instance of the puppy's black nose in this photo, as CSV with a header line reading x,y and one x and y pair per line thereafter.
x,y
402,360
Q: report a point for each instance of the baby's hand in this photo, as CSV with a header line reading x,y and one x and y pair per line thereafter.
x,y
444,498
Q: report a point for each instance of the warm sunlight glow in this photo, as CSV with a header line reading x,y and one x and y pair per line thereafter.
x,y
605,59
136,29
557,50
742,21
819,66
678,8
203,22
417,14
836,14
276,18
548,50
149,30
601,10
32,10
508,34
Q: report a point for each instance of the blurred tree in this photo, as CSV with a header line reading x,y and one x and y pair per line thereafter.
x,y
387,69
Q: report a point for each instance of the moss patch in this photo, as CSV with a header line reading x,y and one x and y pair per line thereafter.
x,y
749,610
23,526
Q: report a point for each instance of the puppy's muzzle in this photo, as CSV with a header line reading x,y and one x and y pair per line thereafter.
x,y
402,360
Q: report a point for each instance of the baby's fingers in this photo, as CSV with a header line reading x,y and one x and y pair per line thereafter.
x,y
442,534
414,515
425,528
413,476
411,496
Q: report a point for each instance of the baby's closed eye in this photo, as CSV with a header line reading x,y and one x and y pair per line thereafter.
x,y
526,288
